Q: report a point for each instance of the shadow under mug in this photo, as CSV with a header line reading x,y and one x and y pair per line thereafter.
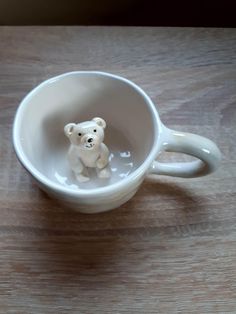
x,y
134,126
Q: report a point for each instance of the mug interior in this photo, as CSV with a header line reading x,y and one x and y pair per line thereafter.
x,y
77,97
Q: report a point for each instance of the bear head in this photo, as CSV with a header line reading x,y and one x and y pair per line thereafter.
x,y
86,135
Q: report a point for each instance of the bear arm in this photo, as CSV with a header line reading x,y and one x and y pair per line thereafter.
x,y
104,152
74,160
104,156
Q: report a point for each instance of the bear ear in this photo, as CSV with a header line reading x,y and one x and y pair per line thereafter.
x,y
68,129
100,122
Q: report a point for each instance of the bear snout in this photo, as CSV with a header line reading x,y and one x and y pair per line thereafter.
x,y
90,140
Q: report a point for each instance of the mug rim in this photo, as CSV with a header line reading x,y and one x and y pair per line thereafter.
x,y
49,184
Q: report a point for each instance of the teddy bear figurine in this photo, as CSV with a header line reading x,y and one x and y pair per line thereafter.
x,y
87,149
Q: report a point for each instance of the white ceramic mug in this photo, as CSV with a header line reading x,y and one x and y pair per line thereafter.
x,y
135,136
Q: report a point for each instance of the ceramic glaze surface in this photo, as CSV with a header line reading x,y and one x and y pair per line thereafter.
x,y
135,136
87,149
122,160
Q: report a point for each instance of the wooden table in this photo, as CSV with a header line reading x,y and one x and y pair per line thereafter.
x,y
172,248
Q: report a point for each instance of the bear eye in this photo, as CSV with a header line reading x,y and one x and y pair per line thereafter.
x,y
94,130
79,134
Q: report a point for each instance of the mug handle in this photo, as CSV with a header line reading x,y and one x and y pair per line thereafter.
x,y
200,147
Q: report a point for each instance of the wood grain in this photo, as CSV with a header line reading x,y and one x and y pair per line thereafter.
x,y
172,248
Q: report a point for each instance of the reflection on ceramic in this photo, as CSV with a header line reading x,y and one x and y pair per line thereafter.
x,y
119,167
122,161
135,136
87,149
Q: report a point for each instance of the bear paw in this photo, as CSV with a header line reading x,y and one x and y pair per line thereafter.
x,y
101,163
104,173
82,178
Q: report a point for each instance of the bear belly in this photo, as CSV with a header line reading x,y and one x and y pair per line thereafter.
x,y
88,159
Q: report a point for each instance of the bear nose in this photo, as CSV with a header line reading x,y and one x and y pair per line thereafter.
x,y
90,140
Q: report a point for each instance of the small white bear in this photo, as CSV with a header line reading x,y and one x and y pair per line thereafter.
x,y
87,149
